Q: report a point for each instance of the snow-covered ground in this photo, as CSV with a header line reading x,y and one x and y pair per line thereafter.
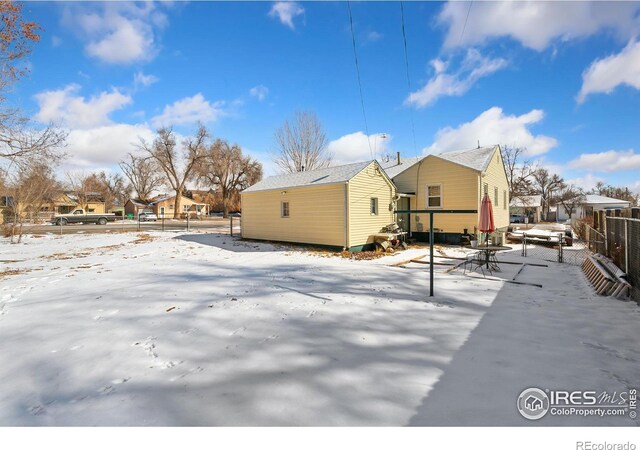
x,y
203,329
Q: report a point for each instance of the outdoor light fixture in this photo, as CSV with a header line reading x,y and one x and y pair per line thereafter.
x,y
283,192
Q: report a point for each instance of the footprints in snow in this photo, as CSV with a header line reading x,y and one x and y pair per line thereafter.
x,y
149,347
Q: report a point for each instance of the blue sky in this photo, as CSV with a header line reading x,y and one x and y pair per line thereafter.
x,y
561,79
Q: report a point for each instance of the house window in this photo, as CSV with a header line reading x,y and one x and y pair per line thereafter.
x,y
495,195
374,206
185,208
91,210
434,196
504,199
284,209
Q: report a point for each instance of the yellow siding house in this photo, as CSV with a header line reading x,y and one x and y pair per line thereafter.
x,y
340,207
450,181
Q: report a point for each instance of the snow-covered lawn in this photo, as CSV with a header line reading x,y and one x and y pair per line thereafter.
x,y
202,329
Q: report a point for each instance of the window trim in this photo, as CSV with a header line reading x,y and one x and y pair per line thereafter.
x,y
427,196
374,202
282,203
496,195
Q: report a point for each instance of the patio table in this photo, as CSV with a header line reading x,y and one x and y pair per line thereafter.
x,y
489,250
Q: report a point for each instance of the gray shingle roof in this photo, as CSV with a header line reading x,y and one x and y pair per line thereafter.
x,y
476,158
316,177
392,168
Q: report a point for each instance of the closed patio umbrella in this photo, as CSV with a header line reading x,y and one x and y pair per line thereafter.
x,y
486,224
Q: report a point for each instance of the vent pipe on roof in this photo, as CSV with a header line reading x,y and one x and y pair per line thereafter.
x,y
398,153
478,143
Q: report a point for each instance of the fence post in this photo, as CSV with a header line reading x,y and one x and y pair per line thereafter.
x,y
163,222
188,228
626,246
524,244
560,247
231,225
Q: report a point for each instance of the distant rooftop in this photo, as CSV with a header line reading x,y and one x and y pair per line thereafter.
x,y
527,201
592,199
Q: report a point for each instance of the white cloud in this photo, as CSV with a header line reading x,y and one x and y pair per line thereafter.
x,y
609,161
473,67
372,36
75,111
494,127
286,12
140,79
99,146
189,110
586,182
536,24
260,92
118,32
605,74
354,147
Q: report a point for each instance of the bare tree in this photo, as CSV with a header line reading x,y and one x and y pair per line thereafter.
x,y
519,171
143,175
20,144
546,184
570,198
28,188
84,186
178,166
110,188
620,193
302,144
226,168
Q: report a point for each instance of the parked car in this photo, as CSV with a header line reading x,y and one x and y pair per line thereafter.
x,y
81,216
147,217
516,218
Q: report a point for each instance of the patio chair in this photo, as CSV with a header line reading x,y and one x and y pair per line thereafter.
x,y
474,261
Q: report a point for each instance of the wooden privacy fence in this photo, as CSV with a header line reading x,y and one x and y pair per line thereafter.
x,y
621,232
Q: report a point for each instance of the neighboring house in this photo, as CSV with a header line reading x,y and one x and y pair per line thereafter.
x,y
339,207
65,202
163,206
133,207
62,203
590,204
450,181
528,206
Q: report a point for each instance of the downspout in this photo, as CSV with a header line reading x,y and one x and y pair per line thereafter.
x,y
346,216
417,183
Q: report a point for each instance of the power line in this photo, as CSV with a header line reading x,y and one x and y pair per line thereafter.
x,y
406,62
464,27
355,57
